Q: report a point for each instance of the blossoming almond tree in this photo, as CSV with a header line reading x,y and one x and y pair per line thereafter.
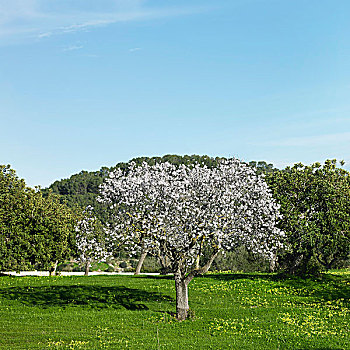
x,y
89,240
175,212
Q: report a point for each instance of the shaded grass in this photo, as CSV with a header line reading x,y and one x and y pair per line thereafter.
x,y
99,297
238,311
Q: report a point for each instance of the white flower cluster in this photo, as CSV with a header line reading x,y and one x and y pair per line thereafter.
x,y
174,211
89,246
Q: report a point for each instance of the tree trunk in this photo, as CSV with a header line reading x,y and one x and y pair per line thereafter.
x,y
181,285
199,255
273,263
53,269
165,266
87,268
181,297
197,262
140,263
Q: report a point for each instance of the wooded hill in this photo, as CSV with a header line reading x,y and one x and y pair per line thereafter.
x,y
82,189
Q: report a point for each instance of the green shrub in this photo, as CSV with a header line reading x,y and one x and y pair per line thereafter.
x,y
78,268
67,267
343,264
100,266
239,260
123,265
133,263
301,266
150,264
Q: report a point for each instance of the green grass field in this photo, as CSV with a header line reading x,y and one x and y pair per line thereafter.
x,y
238,311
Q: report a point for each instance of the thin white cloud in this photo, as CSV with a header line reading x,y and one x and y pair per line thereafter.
x,y
73,47
44,35
41,19
18,9
135,49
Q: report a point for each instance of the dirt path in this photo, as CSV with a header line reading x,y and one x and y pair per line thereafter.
x,y
64,273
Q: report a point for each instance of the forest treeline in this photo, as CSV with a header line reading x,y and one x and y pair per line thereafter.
x,y
38,226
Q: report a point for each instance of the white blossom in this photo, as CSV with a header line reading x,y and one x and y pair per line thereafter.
x,y
174,211
88,240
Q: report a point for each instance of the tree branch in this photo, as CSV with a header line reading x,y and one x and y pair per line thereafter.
x,y
201,270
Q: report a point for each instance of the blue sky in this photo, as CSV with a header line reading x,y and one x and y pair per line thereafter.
x,y
90,83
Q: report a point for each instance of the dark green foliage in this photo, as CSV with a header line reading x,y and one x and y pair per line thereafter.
x,y
315,204
133,263
70,267
150,264
81,190
14,200
343,263
262,167
78,269
110,269
34,231
240,260
67,267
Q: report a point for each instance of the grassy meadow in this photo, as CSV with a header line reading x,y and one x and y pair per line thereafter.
x,y
238,311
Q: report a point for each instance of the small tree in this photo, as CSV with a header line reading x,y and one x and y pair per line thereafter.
x,y
176,212
89,239
51,227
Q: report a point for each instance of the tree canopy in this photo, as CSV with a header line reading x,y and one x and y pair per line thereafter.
x,y
34,230
315,204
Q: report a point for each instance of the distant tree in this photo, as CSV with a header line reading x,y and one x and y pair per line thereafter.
x,y
175,211
315,203
262,167
52,228
90,239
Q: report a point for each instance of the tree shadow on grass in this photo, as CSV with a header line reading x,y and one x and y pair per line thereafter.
x,y
95,297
